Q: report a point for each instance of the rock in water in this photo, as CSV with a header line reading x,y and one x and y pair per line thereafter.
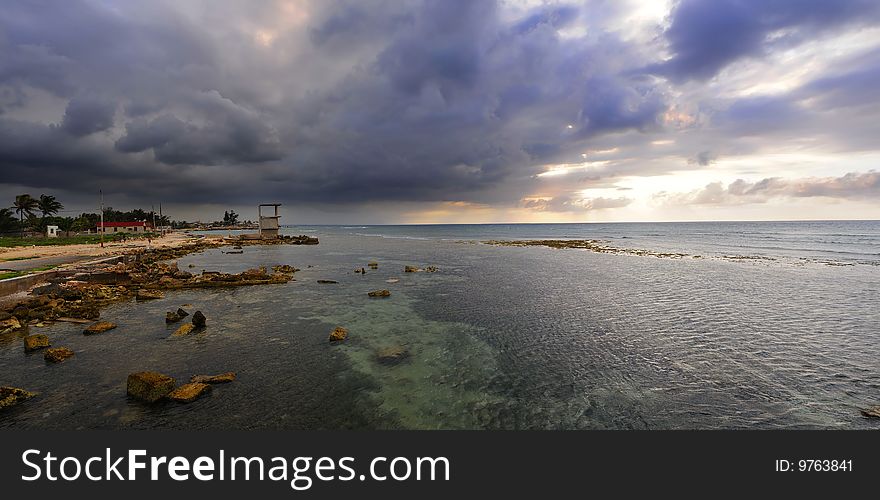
x,y
199,319
57,354
338,334
149,386
149,295
872,412
431,269
392,355
286,269
172,317
379,293
185,329
12,395
187,393
411,269
37,341
182,313
223,378
373,265
99,327
328,282
392,280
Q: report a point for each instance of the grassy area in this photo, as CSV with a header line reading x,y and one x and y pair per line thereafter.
x,y
85,239
15,274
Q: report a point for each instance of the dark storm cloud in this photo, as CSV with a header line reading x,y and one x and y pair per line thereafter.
x,y
704,36
84,116
345,102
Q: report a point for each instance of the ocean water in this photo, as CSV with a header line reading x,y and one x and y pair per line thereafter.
x,y
500,337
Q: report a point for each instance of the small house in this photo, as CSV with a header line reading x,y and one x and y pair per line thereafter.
x,y
122,227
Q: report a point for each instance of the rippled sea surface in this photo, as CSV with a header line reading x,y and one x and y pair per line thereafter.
x,y
500,337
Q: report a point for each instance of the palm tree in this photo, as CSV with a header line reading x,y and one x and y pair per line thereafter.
x,y
48,205
25,204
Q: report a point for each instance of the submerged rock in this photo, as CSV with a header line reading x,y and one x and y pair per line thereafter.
x,y
338,334
199,320
187,393
149,294
373,265
328,282
222,378
10,396
149,386
58,354
185,329
872,412
99,327
392,355
379,293
36,341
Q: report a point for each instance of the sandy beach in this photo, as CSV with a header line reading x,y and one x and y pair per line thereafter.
x,y
30,257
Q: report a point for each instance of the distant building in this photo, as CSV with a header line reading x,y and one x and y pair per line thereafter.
x,y
123,227
51,231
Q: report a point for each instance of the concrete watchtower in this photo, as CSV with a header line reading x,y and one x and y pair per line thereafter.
x,y
268,223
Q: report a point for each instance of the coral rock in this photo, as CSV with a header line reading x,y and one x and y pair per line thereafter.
x,y
379,293
338,334
99,327
57,354
149,386
37,341
223,378
187,393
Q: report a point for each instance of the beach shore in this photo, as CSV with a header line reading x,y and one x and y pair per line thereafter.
x,y
32,257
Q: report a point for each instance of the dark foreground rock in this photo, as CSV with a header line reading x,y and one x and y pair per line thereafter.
x,y
199,320
392,355
223,378
149,386
338,334
57,354
379,293
99,327
175,316
36,341
10,396
187,393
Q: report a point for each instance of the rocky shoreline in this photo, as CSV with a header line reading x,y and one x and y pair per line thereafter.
x,y
79,295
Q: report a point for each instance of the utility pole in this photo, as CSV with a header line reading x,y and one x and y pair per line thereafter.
x,y
153,211
102,218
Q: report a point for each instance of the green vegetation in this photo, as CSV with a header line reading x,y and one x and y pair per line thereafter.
x,y
15,274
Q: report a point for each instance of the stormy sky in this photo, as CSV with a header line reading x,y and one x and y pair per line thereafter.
x,y
420,111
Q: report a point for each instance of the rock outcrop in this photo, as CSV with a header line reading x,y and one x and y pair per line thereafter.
x,y
338,334
10,396
99,327
187,393
149,295
149,386
9,325
57,354
223,378
35,342
199,320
